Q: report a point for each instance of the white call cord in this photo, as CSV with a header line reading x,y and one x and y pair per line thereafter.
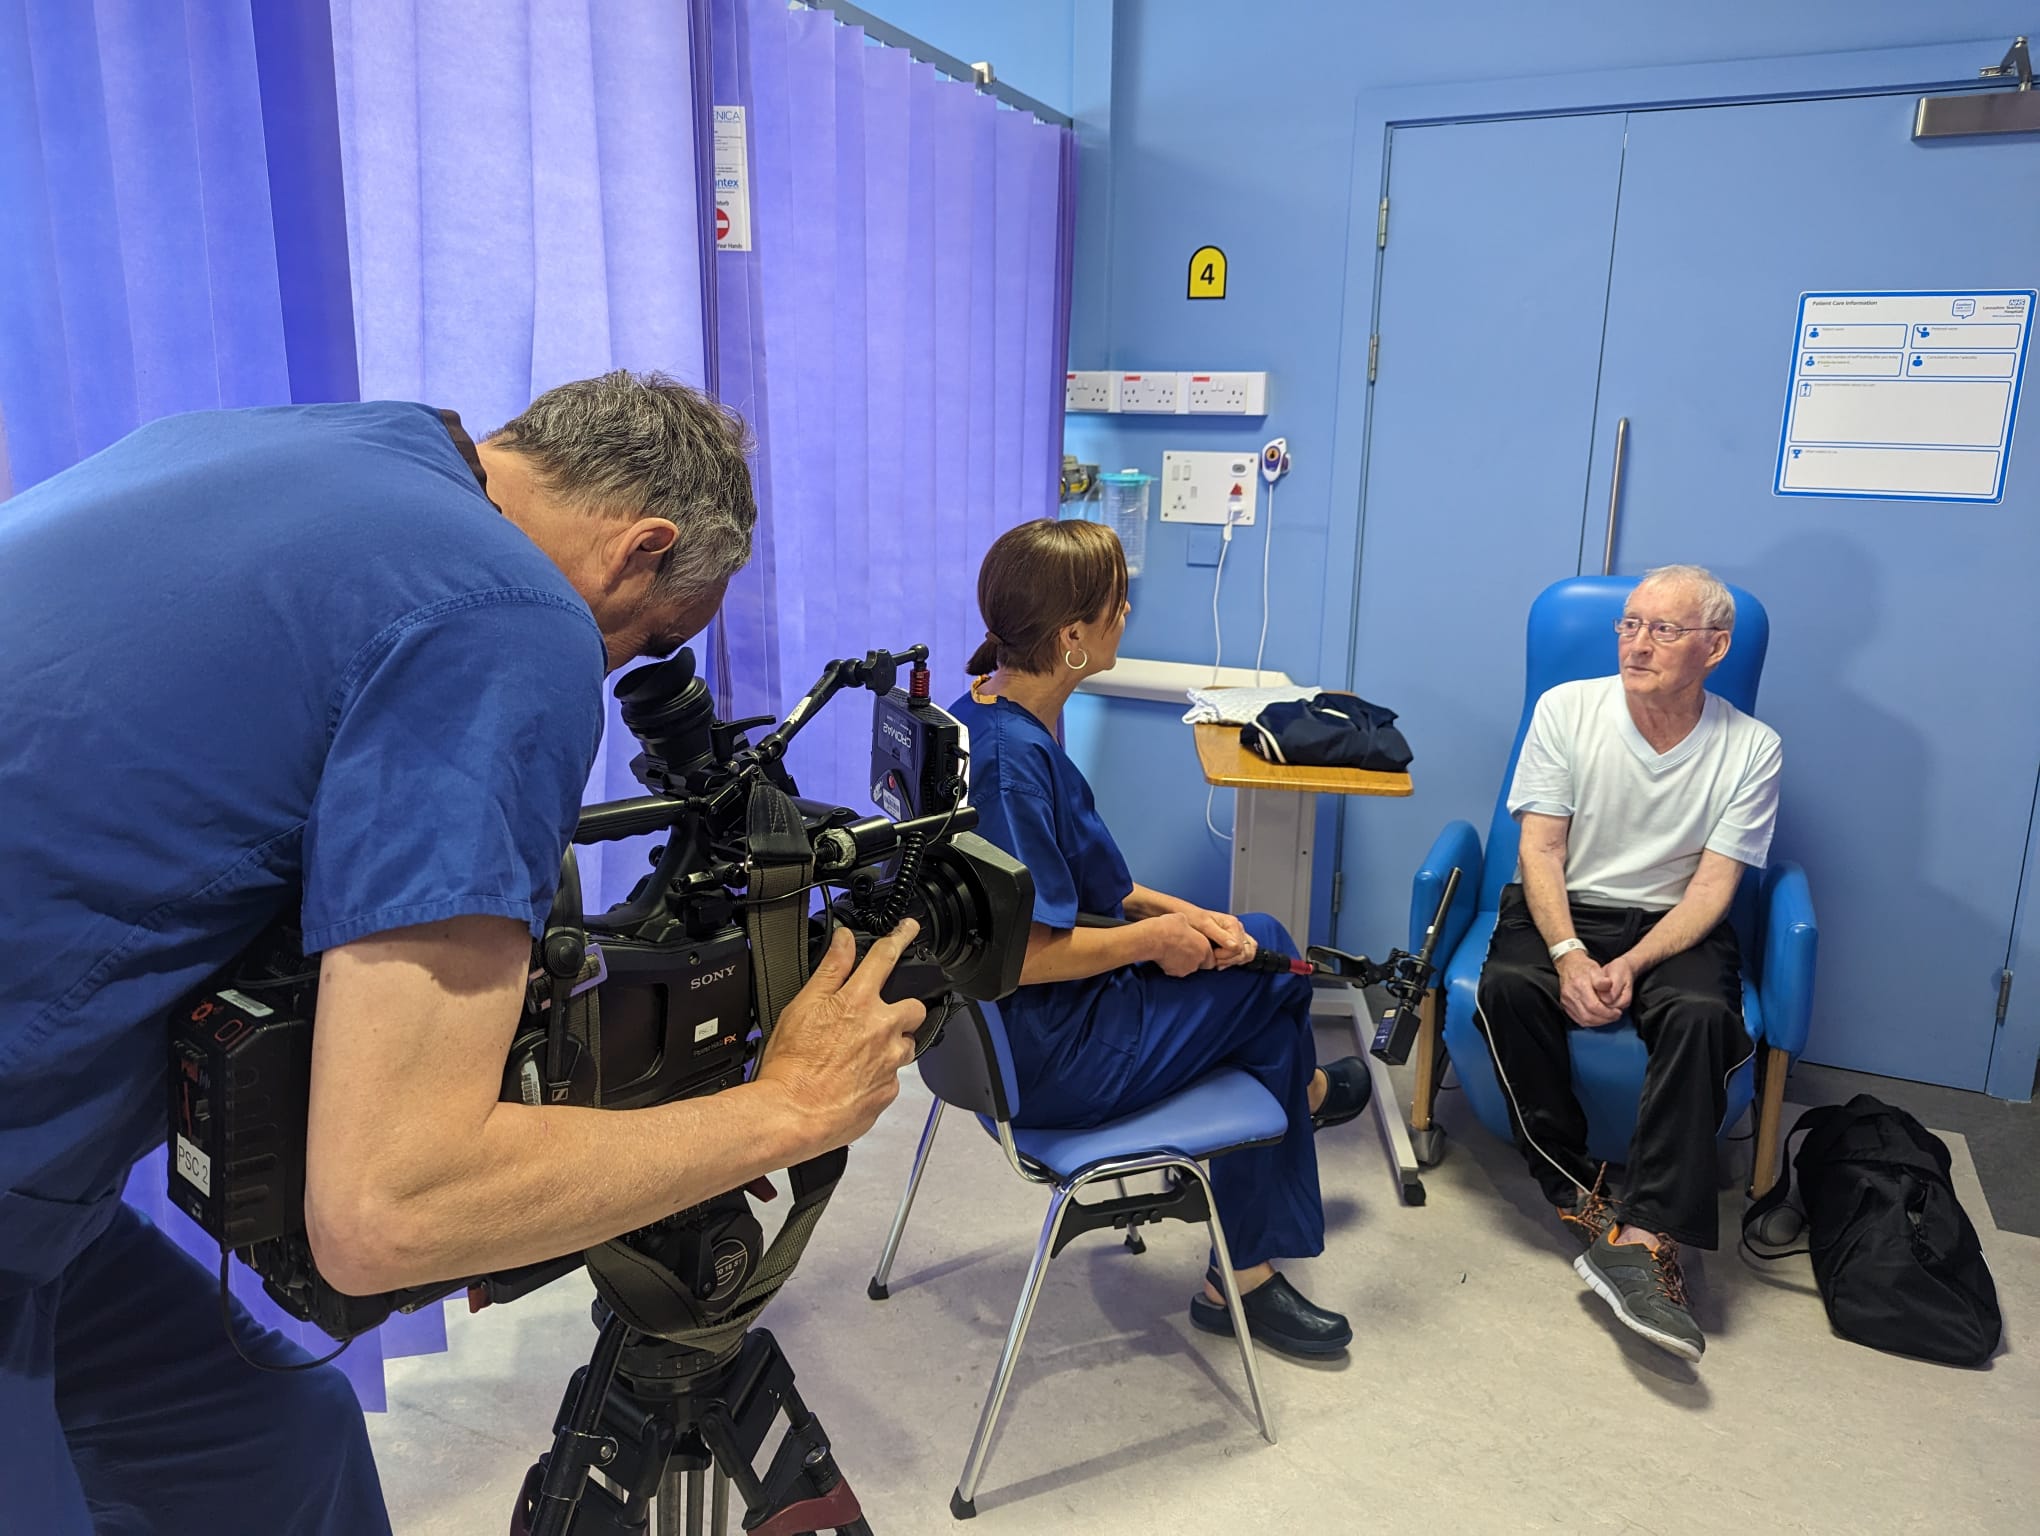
x,y
1274,465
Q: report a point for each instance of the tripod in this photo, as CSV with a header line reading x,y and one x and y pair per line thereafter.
x,y
651,1417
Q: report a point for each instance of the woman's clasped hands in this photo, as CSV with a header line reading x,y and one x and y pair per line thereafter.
x,y
1198,940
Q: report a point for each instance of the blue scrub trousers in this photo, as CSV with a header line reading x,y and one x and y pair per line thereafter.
x,y
1168,1032
124,1410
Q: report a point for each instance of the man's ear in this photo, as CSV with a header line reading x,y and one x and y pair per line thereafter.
x,y
637,551
1723,639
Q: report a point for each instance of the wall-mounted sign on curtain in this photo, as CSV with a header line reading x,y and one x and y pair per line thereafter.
x,y
1904,395
1207,273
732,182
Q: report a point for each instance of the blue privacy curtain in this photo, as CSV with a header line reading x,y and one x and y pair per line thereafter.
x,y
896,338
169,217
522,211
171,240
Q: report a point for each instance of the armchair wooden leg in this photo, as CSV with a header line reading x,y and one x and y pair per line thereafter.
x,y
1764,1167
1425,1136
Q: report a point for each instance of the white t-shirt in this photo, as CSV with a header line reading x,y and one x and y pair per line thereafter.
x,y
1640,818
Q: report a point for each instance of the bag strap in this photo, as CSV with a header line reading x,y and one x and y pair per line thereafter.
x,y
1778,1196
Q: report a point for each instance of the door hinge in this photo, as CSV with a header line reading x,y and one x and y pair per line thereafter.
x,y
2004,997
1381,227
1338,888
1373,356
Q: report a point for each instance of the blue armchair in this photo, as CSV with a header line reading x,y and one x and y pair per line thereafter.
x,y
1570,636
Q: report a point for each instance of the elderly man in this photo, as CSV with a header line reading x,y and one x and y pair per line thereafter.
x,y
1642,798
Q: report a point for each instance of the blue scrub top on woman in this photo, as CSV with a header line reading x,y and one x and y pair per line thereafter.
x,y
1092,1049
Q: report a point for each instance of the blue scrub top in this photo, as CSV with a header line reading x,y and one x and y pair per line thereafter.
x,y
250,655
1036,804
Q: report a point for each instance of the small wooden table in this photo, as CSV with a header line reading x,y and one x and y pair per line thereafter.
x,y
1275,823
1274,827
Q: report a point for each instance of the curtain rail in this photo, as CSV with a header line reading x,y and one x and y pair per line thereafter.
x,y
944,63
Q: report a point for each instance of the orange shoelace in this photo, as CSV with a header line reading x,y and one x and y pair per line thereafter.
x,y
1592,1216
1670,1278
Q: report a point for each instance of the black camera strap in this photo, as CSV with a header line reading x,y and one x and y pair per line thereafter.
x,y
776,918
782,871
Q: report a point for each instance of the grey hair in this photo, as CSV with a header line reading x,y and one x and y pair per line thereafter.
x,y
644,445
1717,603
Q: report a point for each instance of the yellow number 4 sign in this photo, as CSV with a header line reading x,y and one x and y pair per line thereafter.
x,y
1207,273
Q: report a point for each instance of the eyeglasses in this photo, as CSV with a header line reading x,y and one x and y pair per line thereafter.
x,y
1662,632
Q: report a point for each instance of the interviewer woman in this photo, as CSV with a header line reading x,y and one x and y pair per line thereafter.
x,y
1110,1019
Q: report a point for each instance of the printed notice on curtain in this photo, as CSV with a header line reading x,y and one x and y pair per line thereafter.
x,y
1907,395
732,182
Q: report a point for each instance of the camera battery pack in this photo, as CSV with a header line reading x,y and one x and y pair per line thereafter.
x,y
240,1081
917,755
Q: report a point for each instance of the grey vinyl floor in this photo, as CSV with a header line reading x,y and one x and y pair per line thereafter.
x,y
1486,1390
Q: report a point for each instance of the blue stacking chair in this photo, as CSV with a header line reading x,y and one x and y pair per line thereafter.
x,y
1571,636
971,1066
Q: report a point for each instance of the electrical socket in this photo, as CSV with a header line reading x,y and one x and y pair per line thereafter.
x,y
1087,390
1226,394
1148,393
1206,487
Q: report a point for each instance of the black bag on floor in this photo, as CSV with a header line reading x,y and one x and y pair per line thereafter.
x,y
1894,1254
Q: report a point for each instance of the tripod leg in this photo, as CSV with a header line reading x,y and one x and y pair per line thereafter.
x,y
677,1510
553,1488
719,1507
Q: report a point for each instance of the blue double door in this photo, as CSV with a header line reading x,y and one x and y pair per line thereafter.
x,y
1546,278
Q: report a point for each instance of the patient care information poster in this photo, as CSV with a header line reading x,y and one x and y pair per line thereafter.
x,y
732,182
1905,395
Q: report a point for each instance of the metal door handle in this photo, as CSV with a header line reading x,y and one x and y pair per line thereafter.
x,y
1615,496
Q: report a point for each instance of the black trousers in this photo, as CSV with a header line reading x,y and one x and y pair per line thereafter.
x,y
1688,1011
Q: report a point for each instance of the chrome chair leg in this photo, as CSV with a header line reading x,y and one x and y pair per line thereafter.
x,y
1234,1305
974,1465
877,1289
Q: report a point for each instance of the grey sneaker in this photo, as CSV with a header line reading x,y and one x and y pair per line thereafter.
x,y
1647,1291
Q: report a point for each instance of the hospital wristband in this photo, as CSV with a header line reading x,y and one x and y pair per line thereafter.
x,y
1565,947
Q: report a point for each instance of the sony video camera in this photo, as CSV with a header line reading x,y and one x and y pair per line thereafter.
x,y
664,997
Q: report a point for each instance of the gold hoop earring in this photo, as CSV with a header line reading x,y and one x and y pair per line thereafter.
x,y
1076,666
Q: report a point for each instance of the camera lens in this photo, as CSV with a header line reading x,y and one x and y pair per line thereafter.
x,y
670,712
943,906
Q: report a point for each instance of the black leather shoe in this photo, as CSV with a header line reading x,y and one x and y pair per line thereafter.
x,y
1279,1316
1348,1092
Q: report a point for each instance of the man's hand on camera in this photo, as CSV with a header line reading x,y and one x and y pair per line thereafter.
x,y
1177,946
1231,944
839,1047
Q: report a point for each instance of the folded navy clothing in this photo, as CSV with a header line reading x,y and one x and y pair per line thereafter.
x,y
1332,730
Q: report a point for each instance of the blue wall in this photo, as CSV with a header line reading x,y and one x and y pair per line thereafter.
x,y
1266,139
1028,43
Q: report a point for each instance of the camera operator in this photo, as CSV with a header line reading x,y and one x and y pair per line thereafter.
x,y
341,655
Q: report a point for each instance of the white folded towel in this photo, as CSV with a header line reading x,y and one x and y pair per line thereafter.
x,y
1237,706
